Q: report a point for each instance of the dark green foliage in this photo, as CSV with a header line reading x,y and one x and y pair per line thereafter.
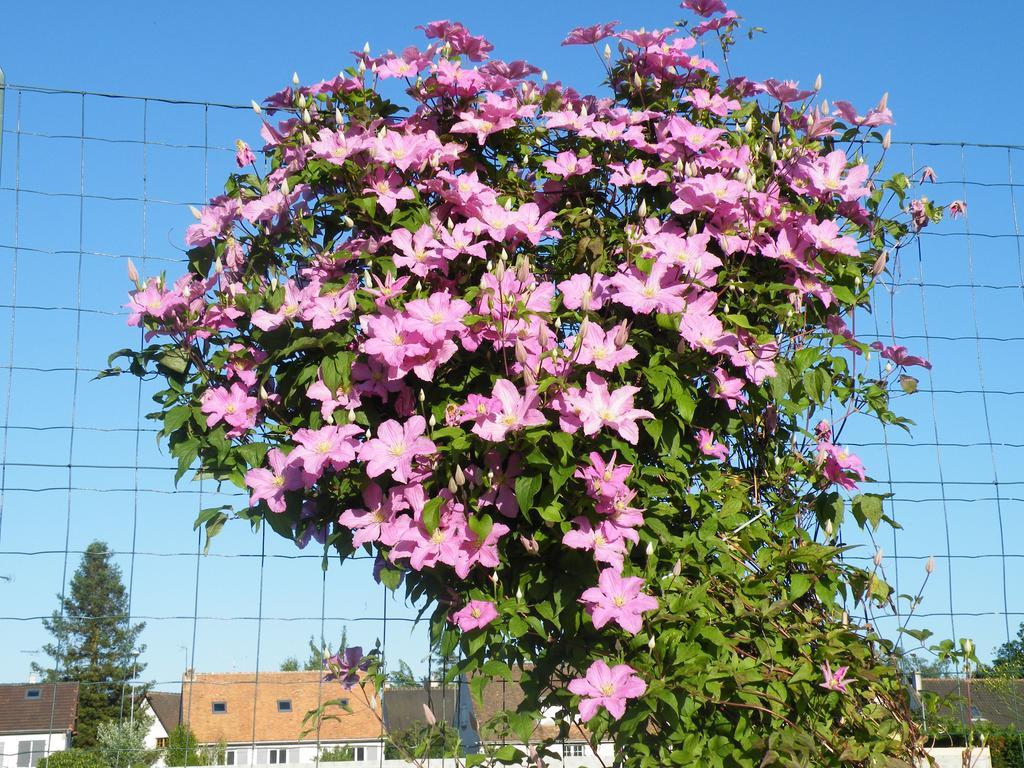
x,y
182,748
423,741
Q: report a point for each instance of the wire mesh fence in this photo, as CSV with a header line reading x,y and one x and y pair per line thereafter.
x,y
89,180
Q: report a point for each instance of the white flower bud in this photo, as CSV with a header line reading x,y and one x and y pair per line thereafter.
x,y
642,210
776,123
256,108
607,52
929,566
351,415
828,528
887,139
677,568
824,106
460,476
285,189
692,230
306,117
133,273
968,645
352,303
651,645
749,125
347,221
195,212
494,577
366,47
338,117
846,619
452,486
519,593
885,100
432,421
362,67
544,75
295,78
817,82
637,80
877,559
650,548
421,396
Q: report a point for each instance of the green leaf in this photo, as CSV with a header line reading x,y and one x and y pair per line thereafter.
x,y
526,489
432,514
799,583
867,507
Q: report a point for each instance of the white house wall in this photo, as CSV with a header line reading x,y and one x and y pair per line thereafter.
x,y
53,742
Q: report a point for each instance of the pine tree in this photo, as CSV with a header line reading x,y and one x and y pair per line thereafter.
x,y
95,644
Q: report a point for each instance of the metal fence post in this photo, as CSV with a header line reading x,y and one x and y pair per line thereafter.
x,y
3,88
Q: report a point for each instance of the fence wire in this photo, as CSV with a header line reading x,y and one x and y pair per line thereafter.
x,y
88,180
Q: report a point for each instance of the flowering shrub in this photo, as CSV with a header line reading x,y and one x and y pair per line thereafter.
x,y
559,362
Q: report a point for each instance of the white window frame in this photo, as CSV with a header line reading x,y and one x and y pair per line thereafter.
x,y
278,756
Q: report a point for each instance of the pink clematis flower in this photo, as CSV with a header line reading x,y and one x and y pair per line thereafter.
x,y
368,524
569,164
727,388
476,615
834,681
270,484
587,292
900,356
604,479
709,447
599,407
634,174
839,464
600,349
244,155
618,598
388,187
328,446
604,540
656,291
234,406
436,318
607,687
509,411
590,35
395,447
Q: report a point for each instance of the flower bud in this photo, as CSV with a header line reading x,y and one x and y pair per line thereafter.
x,y
637,80
432,421
520,351
544,75
133,274
519,593
877,559
460,476
650,548
421,396
929,566
351,415
256,108
692,230
642,210
968,645
368,434
828,528
352,304
885,100
306,117
285,189
295,78
347,221
195,212
887,139
362,67
529,377
776,123
749,125
677,568
494,577
846,619
824,106
621,335
452,485
651,644
607,52
817,82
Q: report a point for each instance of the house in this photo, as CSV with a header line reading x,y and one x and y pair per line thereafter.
x,y
165,710
998,702
406,708
36,720
261,719
501,695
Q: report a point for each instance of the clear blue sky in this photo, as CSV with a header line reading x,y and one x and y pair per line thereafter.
x,y
946,67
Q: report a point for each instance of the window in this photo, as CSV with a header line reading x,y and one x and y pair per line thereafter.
x,y
572,750
229,757
359,753
284,705
30,752
34,693
278,756
219,707
161,743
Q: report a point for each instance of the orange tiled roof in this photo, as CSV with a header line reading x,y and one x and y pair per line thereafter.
x,y
242,695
